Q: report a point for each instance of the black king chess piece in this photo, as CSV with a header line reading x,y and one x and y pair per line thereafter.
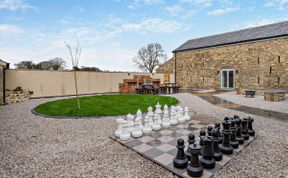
x,y
194,168
233,140
239,137
217,153
180,161
226,147
251,131
207,151
191,141
245,129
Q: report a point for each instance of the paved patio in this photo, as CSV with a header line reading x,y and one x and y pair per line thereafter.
x,y
33,146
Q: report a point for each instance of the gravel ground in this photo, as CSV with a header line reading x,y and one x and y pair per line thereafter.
x,y
33,146
257,102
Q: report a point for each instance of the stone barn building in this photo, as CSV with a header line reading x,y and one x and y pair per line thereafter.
x,y
3,66
254,58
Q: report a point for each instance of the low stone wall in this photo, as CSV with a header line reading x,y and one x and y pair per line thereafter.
x,y
16,96
275,95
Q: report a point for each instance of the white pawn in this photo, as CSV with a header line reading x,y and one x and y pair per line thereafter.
x,y
125,135
139,115
130,120
166,111
158,109
186,114
180,115
150,115
119,122
166,120
147,127
173,119
156,124
137,132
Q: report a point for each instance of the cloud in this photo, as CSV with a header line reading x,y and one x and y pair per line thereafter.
x,y
138,3
280,4
223,11
7,30
15,4
258,22
174,10
203,3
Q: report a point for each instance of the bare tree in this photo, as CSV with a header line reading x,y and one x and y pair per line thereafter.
x,y
75,55
25,65
57,63
148,58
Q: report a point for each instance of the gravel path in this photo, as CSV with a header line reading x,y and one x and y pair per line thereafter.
x,y
257,102
32,146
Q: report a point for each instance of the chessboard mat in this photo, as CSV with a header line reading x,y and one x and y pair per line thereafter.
x,y
160,147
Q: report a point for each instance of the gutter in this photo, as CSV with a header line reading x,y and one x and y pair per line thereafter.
x,y
4,79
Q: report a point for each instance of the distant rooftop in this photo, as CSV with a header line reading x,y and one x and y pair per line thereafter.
x,y
245,35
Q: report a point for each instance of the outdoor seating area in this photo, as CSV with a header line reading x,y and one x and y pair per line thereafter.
x,y
165,88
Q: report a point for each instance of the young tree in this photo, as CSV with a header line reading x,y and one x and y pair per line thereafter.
x,y
148,58
75,55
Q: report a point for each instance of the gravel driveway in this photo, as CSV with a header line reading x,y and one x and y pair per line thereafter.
x,y
33,146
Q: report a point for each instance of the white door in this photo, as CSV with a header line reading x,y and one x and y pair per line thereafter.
x,y
227,78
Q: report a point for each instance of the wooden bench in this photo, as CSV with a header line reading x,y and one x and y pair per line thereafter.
x,y
250,93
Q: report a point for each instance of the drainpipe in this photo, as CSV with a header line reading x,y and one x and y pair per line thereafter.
x,y
175,68
4,86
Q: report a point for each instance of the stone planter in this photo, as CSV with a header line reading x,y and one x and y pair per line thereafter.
x,y
275,95
16,96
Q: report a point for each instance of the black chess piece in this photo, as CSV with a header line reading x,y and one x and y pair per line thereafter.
x,y
236,117
251,131
194,168
202,133
239,137
191,141
207,160
244,129
217,153
218,125
210,131
180,161
226,147
233,140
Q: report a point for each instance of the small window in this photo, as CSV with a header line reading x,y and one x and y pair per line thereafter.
x,y
279,59
258,61
203,79
271,70
258,80
278,80
203,64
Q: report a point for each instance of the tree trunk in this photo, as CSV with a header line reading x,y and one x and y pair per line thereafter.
x,y
76,89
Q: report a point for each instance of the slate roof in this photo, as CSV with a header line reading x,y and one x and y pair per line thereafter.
x,y
245,35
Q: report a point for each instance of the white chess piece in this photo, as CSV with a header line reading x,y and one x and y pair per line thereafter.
x,y
158,109
150,115
173,118
186,114
156,124
130,120
166,120
147,127
124,135
137,132
180,115
119,122
139,115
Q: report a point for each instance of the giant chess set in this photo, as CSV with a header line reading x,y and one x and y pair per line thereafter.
x,y
174,140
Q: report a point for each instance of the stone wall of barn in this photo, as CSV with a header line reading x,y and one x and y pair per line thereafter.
x,y
167,67
258,65
1,84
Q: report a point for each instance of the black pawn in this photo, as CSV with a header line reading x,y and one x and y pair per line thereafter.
x,y
202,133
218,125
245,129
251,131
194,168
191,141
239,137
210,131
180,161
217,153
236,117
233,140
226,147
207,160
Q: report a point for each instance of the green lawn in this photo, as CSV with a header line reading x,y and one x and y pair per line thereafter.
x,y
103,105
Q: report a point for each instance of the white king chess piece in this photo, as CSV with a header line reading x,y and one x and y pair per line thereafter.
x,y
166,120
124,135
139,115
173,118
186,114
180,115
119,122
147,127
130,120
137,132
156,124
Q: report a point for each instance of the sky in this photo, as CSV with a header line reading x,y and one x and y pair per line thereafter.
x,y
111,32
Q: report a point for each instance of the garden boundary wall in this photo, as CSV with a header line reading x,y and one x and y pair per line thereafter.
x,y
61,83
